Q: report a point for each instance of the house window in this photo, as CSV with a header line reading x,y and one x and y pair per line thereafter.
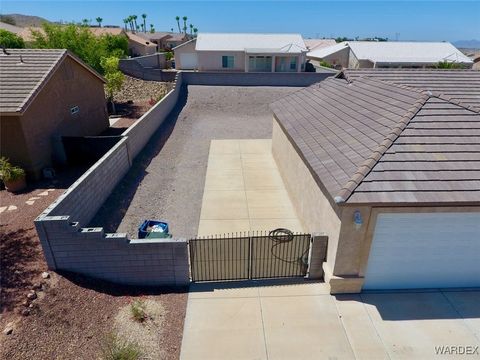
x,y
227,62
74,110
293,63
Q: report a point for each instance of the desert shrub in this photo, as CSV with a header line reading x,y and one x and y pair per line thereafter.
x,y
8,172
137,309
11,40
115,348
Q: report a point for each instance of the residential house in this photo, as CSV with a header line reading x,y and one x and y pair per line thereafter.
x,y
165,40
383,54
387,164
46,94
137,45
242,52
313,44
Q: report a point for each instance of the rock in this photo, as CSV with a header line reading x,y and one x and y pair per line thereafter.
x,y
25,312
8,329
37,286
26,303
32,295
45,275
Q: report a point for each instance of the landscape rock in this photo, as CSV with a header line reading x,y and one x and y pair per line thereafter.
x,y
25,312
32,295
37,286
45,275
8,329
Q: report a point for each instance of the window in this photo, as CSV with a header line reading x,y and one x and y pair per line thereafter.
x,y
293,63
74,110
227,62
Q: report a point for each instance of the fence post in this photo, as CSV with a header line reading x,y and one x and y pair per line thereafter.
x,y
318,254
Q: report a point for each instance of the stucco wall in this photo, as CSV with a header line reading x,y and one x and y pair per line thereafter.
x,y
212,60
67,246
189,47
312,206
12,141
48,118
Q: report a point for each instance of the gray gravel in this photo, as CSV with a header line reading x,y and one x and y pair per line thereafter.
x,y
167,179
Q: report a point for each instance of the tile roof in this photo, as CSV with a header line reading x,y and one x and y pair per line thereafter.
x,y
460,85
371,141
23,73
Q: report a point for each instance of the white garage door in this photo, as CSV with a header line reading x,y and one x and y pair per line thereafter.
x,y
428,250
188,61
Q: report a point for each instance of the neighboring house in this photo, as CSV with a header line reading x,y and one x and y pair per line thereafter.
x,y
46,94
137,45
313,44
383,54
387,164
242,52
165,40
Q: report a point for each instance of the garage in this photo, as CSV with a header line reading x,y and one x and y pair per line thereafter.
x,y
188,61
424,250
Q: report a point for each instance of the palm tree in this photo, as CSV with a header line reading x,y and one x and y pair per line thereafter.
x,y
125,21
99,21
185,24
137,28
152,29
85,22
171,29
144,16
130,18
134,17
195,31
178,23
191,29
143,27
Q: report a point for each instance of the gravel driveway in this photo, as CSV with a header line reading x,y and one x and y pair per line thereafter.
x,y
167,179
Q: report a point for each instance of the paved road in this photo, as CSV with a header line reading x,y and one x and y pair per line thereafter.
x,y
168,178
259,320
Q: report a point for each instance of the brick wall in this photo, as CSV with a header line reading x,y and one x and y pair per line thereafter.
x,y
113,257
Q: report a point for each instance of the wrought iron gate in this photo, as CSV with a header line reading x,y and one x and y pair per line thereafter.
x,y
246,256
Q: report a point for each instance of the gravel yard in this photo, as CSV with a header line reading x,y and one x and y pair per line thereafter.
x,y
167,179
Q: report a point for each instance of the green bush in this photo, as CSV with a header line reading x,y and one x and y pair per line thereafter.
x,y
11,40
8,172
115,348
81,41
449,65
137,309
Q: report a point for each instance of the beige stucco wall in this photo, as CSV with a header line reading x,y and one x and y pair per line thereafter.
x,y
48,117
212,60
312,206
188,47
12,141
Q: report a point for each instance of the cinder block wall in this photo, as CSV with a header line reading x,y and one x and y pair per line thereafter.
x,y
113,257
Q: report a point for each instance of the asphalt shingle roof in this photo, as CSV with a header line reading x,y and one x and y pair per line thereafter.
x,y
371,141
23,73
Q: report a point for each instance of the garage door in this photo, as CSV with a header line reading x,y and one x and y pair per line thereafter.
x,y
428,250
188,61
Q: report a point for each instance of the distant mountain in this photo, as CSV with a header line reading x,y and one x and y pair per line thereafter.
x,y
467,44
24,20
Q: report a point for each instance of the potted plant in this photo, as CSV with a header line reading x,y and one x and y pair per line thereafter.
x,y
13,177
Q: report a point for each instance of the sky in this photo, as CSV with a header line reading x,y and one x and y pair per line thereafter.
x,y
403,20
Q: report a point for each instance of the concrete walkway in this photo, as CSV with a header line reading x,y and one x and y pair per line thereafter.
x,y
258,320
244,190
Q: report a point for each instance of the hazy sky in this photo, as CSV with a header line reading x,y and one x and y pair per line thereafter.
x,y
409,20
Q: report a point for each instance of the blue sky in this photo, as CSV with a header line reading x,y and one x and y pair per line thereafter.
x,y
411,20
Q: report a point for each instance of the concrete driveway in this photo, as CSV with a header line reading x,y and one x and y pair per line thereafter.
x,y
261,320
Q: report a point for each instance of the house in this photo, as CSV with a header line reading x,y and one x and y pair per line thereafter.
x,y
46,94
242,52
313,44
165,40
387,164
383,54
137,45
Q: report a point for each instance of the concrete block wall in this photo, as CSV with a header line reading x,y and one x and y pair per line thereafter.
x,y
318,255
253,79
68,246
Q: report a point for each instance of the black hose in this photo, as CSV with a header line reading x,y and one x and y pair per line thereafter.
x,y
281,236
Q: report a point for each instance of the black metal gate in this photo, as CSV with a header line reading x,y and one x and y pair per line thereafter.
x,y
249,256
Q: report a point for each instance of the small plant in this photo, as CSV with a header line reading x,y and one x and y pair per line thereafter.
x,y
113,76
137,308
13,177
115,348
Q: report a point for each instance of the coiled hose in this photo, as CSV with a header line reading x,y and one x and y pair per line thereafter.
x,y
281,236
